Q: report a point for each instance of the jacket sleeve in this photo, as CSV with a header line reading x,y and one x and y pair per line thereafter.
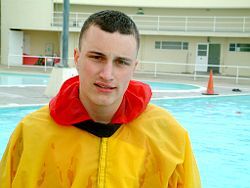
x,y
191,172
11,157
186,174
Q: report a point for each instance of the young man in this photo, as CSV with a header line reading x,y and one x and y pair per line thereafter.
x,y
100,130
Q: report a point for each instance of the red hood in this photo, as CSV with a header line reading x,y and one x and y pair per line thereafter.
x,y
67,109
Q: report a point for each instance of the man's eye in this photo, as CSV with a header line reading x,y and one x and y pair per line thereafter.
x,y
123,62
96,58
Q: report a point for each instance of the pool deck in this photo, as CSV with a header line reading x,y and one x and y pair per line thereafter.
x,y
33,95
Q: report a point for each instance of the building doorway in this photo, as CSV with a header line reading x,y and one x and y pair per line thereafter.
x,y
214,57
15,47
208,57
201,57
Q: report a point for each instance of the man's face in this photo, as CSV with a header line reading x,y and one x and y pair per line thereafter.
x,y
105,66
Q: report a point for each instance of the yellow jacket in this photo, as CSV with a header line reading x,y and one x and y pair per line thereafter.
x,y
152,151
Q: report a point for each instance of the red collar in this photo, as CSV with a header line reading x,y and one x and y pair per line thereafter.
x,y
67,109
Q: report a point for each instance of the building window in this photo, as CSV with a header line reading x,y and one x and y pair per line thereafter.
x,y
239,47
185,45
157,44
171,45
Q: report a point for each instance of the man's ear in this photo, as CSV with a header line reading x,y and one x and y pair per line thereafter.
x,y
76,57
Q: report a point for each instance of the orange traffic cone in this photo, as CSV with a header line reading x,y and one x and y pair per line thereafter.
x,y
210,85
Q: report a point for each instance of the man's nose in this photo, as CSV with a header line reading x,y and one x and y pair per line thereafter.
x,y
107,71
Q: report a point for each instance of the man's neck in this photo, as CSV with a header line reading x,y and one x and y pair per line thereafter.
x,y
100,113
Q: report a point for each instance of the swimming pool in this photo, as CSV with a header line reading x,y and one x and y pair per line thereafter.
x,y
9,117
163,86
15,79
219,128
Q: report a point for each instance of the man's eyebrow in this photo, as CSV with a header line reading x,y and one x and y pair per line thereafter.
x,y
124,59
101,54
95,52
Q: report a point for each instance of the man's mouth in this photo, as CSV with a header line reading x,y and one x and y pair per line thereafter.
x,y
104,86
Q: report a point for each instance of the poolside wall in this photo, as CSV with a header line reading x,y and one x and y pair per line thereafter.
x,y
150,54
35,19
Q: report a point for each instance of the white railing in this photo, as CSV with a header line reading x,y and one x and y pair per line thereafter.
x,y
233,72
154,68
76,19
171,23
44,62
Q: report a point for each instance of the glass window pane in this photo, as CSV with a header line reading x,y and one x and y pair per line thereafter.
x,y
239,47
232,47
171,45
164,45
185,45
244,47
174,45
202,47
202,53
157,44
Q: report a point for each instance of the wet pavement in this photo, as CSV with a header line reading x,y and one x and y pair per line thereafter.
x,y
28,95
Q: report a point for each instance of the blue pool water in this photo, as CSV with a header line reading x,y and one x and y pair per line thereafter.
x,y
22,79
170,86
9,117
8,79
219,128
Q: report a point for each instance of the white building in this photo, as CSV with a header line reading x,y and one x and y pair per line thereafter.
x,y
200,32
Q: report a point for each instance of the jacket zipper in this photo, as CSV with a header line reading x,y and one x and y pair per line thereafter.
x,y
102,163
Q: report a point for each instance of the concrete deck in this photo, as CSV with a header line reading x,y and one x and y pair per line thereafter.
x,y
30,95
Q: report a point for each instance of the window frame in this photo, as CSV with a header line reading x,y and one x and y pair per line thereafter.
x,y
239,47
171,45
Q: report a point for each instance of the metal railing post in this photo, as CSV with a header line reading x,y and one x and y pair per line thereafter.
x,y
77,20
186,22
244,24
45,63
214,24
158,24
237,74
65,33
155,71
8,61
194,71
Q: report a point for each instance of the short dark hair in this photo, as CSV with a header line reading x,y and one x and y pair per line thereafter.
x,y
111,21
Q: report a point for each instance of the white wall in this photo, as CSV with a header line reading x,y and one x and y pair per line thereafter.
x,y
236,58
40,39
34,17
23,14
167,3
28,13
149,53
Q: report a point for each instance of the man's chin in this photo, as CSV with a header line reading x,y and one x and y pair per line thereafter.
x,y
106,101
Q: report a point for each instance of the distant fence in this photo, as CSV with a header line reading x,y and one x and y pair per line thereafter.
x,y
154,68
